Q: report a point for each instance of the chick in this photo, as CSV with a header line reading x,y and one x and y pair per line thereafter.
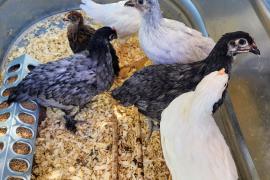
x,y
192,144
70,83
78,33
167,41
154,87
125,19
79,36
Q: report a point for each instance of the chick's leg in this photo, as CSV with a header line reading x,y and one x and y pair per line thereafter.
x,y
42,113
152,126
70,118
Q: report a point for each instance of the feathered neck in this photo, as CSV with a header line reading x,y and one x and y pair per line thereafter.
x,y
201,107
152,17
218,59
98,46
81,22
74,28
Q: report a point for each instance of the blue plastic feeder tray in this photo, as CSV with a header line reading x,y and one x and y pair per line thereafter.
x,y
17,134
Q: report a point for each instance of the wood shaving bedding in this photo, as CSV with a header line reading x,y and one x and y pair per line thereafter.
x,y
111,145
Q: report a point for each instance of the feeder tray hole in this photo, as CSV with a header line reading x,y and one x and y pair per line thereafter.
x,y
4,117
21,148
18,165
27,118
12,79
25,133
4,105
7,92
14,68
2,145
29,105
3,131
14,178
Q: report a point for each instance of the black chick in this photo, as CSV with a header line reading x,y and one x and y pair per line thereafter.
x,y
154,87
79,34
70,83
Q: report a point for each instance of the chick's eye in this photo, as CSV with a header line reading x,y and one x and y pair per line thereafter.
x,y
242,42
140,1
111,37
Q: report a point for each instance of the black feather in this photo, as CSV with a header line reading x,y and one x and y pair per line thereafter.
x,y
80,35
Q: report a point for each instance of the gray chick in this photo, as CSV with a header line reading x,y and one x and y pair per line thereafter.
x,y
70,83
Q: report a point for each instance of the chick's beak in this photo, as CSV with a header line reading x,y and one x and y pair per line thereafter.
x,y
221,72
65,19
254,49
115,36
130,3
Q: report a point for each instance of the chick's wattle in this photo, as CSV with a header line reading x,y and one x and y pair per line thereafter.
x,y
70,83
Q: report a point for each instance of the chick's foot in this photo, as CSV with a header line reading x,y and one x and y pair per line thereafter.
x,y
152,126
70,123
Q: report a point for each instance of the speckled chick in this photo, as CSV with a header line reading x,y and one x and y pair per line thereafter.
x,y
167,41
154,87
192,144
77,32
70,83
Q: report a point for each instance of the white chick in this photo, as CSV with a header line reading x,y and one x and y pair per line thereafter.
x,y
167,41
124,19
192,144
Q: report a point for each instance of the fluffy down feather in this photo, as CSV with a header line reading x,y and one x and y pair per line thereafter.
x,y
126,20
167,41
78,33
79,36
192,144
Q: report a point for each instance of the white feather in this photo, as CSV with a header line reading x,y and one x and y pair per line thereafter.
x,y
167,41
192,144
126,20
